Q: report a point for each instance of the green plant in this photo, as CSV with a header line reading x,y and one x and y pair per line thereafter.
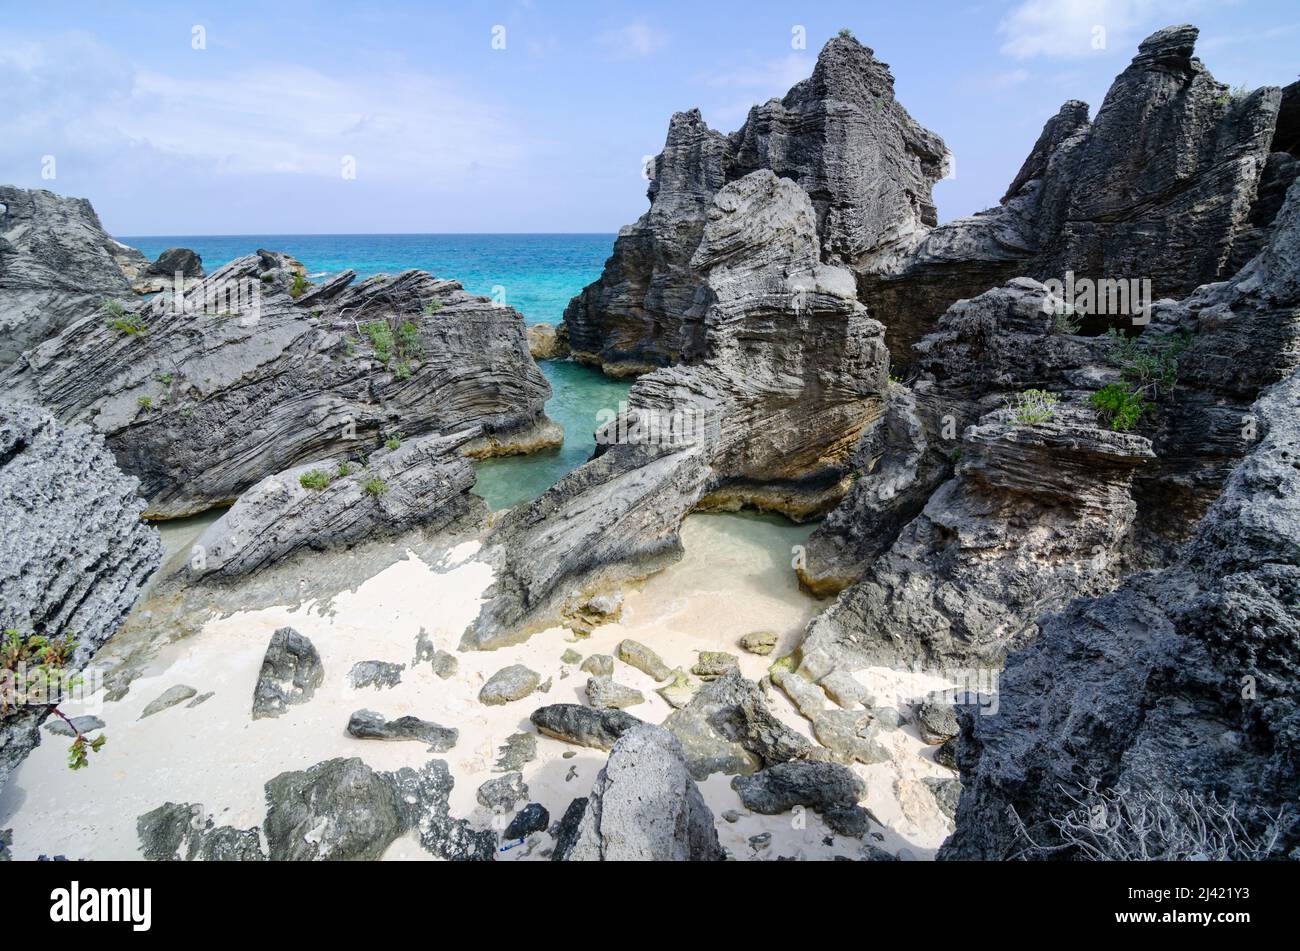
x,y
1149,364
1065,322
1118,406
381,338
955,456
345,470
375,486
165,379
402,346
432,307
392,442
300,284
120,319
35,665
315,479
145,402
1032,406
846,33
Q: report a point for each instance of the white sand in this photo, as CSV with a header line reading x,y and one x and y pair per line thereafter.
x,y
734,579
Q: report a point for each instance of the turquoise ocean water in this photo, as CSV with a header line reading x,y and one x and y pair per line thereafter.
x,y
539,274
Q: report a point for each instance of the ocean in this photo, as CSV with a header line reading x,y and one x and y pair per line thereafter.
x,y
539,274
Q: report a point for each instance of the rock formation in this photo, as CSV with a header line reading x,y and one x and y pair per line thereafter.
x,y
254,372
57,264
645,807
794,373
74,554
840,135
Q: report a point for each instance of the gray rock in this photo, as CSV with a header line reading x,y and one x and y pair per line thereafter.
x,y
291,672
532,818
759,642
761,841
645,806
82,725
570,656
946,754
947,792
519,748
176,260
319,386
819,786
6,843
851,821
727,727
680,691
445,665
183,832
644,659
200,699
501,794
57,264
509,683
711,665
74,554
369,725
168,698
380,674
598,665
604,694
937,722
574,723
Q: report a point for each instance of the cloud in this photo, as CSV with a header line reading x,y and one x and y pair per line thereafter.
x,y
1073,28
636,39
760,81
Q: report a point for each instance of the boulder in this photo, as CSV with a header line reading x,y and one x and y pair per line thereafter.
x,y
369,725
380,674
501,794
291,672
183,832
818,786
574,723
532,818
604,694
507,684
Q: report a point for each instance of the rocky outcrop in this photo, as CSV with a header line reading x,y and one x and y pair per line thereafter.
x,y
74,554
184,832
332,503
769,420
57,264
645,807
256,372
1160,185
173,270
1179,682
840,135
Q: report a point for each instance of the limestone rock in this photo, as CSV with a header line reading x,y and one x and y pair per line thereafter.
x,y
369,725
168,698
759,642
291,672
645,806
643,658
182,832
509,683
819,786
519,749
574,723
598,665
501,794
604,694
710,665
380,674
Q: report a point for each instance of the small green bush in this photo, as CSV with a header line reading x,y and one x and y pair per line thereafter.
x,y
315,479
120,319
1119,407
345,470
381,338
375,486
1033,406
432,307
145,402
35,662
300,284
392,442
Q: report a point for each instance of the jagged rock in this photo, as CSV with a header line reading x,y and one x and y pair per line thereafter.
x,y
509,683
840,135
852,821
380,674
81,725
545,344
598,665
342,809
946,754
182,832
519,748
423,482
74,553
727,727
369,725
176,260
946,791
793,356
849,735
645,806
574,723
244,380
57,264
168,698
532,818
1159,185
604,694
937,722
710,665
643,658
759,642
291,672
819,786
1143,691
501,794
565,832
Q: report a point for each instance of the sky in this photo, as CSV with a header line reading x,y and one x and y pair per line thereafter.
x,y
300,117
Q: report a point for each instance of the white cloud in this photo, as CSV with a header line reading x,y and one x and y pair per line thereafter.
x,y
759,81
1071,28
637,38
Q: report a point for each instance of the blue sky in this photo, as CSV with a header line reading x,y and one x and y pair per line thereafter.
x,y
249,134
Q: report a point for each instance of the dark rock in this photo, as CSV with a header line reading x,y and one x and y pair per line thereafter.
x,y
369,725
380,674
574,723
565,832
74,554
176,260
532,818
946,754
182,832
819,786
946,793
291,672
937,722
645,806
852,821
